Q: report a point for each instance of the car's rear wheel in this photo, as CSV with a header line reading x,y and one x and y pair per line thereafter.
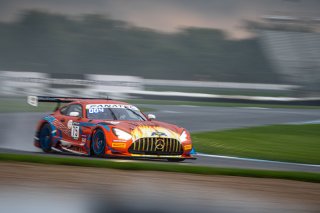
x,y
175,159
45,138
98,144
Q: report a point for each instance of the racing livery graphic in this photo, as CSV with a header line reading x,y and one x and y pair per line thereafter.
x,y
108,128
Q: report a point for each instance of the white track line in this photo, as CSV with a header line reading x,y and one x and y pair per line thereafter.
x,y
253,108
169,111
306,122
256,160
183,105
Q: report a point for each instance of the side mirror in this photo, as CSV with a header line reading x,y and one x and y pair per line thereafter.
x,y
74,114
151,117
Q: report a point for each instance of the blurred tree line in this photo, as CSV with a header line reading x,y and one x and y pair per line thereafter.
x,y
44,42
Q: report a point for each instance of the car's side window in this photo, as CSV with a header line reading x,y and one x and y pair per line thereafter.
x,y
64,110
74,108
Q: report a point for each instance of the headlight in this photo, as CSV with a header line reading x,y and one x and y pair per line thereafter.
x,y
183,136
121,134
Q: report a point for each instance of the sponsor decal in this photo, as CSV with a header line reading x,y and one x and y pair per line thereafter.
x,y
83,138
96,108
187,147
119,145
69,124
159,134
119,140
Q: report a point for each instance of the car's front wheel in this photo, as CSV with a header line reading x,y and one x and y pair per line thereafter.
x,y
45,138
98,144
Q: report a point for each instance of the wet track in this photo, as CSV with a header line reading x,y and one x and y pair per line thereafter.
x,y
17,129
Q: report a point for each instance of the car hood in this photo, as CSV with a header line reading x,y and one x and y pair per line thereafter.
x,y
141,129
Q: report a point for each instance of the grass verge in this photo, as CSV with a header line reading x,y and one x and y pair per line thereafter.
x,y
164,167
289,143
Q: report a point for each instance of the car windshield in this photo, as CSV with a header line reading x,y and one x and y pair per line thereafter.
x,y
114,112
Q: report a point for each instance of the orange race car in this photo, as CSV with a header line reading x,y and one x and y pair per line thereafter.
x,y
104,127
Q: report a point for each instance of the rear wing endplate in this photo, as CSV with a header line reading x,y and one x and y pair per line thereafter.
x,y
34,100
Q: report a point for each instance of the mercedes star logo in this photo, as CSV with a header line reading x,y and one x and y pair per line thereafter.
x,y
159,144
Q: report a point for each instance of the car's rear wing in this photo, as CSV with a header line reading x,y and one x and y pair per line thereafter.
x,y
34,100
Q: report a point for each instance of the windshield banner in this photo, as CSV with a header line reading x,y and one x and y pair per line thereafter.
x,y
100,107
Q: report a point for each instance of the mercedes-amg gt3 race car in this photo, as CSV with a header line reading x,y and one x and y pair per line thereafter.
x,y
104,127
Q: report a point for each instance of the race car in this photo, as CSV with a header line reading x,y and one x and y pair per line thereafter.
x,y
108,128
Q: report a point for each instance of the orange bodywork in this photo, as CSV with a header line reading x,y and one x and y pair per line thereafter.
x,y
143,138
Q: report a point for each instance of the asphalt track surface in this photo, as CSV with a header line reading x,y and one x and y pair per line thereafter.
x,y
17,129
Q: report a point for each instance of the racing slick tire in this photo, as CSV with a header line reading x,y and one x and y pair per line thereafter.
x,y
98,144
45,138
175,159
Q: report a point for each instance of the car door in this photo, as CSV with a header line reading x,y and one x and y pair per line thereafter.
x,y
70,118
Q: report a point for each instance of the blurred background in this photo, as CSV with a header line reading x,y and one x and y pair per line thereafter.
x,y
205,65
142,47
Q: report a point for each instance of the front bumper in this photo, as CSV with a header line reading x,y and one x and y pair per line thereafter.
x,y
144,156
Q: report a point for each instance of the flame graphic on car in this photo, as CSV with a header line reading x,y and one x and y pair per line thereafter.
x,y
152,131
